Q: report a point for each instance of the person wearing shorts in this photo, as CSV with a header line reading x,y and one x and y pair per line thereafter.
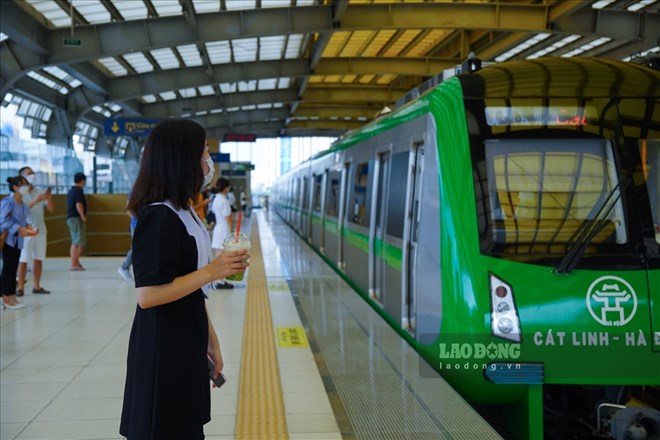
x,y
34,248
76,218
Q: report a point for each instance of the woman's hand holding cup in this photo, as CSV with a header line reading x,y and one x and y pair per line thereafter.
x,y
229,263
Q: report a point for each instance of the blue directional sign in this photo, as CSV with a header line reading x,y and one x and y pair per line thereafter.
x,y
128,126
220,157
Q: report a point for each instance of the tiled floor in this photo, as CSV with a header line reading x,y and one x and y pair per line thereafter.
x,y
63,358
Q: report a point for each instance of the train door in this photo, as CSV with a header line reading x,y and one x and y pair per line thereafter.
x,y
379,221
316,214
304,207
412,234
343,202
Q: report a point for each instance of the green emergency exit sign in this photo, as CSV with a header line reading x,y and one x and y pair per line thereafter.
x,y
72,42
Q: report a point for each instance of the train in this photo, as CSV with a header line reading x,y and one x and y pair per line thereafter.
x,y
507,224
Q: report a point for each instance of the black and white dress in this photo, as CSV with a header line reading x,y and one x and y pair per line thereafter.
x,y
167,392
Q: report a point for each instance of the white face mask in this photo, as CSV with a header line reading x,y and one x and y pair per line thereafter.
x,y
30,178
24,190
208,177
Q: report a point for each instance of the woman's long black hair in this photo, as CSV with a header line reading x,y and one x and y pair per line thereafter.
x,y
170,168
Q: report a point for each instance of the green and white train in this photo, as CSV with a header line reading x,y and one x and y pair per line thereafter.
x,y
507,224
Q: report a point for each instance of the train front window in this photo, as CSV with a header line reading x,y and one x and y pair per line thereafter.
x,y
543,193
649,152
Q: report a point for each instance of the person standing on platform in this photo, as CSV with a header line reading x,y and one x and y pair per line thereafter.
x,y
34,248
125,268
199,204
14,220
243,198
167,391
223,222
76,219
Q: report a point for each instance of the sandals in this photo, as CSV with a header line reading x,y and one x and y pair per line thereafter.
x,y
77,268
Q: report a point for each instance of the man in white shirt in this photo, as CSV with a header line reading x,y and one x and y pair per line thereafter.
x,y
34,248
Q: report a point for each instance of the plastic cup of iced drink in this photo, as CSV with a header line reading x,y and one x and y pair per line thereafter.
x,y
231,243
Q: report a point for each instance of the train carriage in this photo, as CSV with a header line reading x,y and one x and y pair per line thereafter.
x,y
507,223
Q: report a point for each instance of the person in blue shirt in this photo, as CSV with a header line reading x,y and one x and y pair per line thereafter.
x,y
14,220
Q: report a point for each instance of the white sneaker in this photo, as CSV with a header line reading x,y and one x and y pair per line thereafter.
x,y
125,274
13,307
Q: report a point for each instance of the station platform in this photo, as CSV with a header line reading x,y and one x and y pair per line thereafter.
x,y
306,358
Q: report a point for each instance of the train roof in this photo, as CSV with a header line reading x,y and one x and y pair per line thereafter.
x,y
556,77
562,77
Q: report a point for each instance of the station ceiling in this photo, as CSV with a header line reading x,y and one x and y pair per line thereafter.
x,y
278,67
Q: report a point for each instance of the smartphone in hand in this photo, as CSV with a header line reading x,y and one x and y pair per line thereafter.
x,y
220,379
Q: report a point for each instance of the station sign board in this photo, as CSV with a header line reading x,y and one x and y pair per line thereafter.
x,y
239,137
129,126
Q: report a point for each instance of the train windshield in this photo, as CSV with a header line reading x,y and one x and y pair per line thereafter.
x,y
544,192
550,179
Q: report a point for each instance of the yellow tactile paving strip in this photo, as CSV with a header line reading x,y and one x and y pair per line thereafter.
x,y
260,411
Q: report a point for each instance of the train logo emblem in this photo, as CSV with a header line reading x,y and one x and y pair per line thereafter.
x,y
611,301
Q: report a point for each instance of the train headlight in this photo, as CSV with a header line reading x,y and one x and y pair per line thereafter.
x,y
504,314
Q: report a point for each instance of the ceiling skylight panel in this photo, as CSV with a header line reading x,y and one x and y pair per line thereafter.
x,y
267,84
114,107
270,48
248,107
149,98
3,37
642,54
232,109
201,113
139,62
600,4
586,47
92,10
215,111
190,92
166,8
206,90
264,106
640,5
168,96
235,5
52,11
522,47
284,83
47,82
113,66
247,86
190,55
219,52
305,3
554,46
278,4
293,46
278,104
102,111
165,58
132,10
61,74
245,49
228,87
206,6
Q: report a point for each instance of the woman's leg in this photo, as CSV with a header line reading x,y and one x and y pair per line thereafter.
x,y
10,258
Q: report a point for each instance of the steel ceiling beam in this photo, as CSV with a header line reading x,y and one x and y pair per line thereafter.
x,y
242,117
134,86
327,112
351,93
167,109
325,124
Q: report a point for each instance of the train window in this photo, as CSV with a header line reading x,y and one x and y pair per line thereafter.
x,y
359,211
305,194
542,192
318,183
649,150
332,194
396,205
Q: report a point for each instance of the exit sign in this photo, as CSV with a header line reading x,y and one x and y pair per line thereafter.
x,y
72,42
239,137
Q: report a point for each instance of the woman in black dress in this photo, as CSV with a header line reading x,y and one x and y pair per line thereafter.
x,y
167,392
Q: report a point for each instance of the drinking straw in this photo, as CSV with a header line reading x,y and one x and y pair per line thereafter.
x,y
238,226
